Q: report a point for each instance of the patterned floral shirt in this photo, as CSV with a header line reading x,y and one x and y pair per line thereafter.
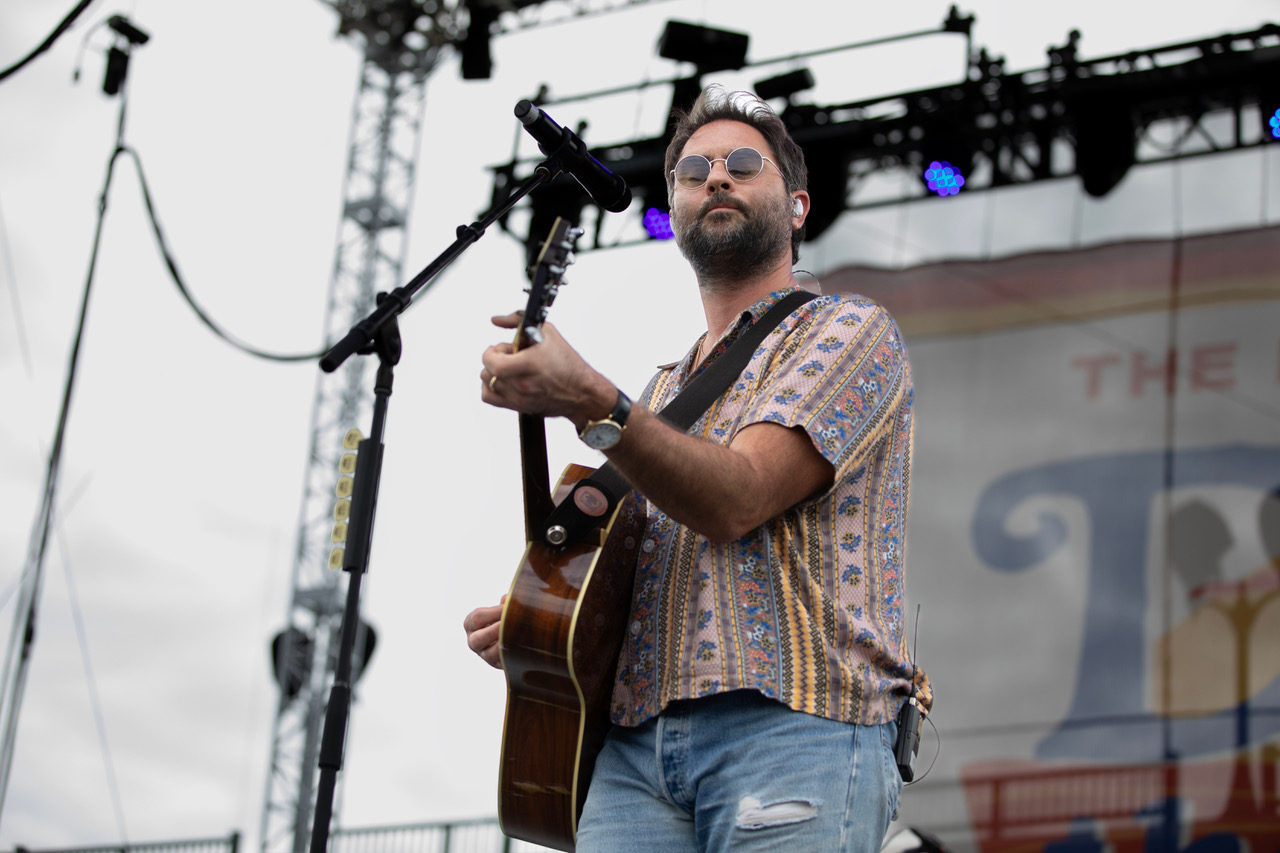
x,y
808,608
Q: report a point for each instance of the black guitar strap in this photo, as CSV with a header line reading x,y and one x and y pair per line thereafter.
x,y
582,510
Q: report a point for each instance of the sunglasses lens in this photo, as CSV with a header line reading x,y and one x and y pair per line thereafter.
x,y
692,171
744,164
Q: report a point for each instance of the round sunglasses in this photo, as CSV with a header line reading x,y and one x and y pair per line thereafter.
x,y
742,164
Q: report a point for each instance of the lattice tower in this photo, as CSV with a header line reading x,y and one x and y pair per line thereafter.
x,y
402,41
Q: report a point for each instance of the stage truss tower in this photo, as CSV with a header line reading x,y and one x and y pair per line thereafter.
x,y
402,42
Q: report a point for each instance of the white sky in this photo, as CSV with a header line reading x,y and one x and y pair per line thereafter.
x,y
184,460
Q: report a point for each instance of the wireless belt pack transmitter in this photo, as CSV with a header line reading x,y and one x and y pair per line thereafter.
x,y
908,744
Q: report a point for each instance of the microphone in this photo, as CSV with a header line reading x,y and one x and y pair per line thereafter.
x,y
605,188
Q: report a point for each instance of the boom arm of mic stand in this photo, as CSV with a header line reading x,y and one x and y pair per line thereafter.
x,y
361,336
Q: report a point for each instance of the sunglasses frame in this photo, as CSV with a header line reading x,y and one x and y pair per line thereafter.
x,y
725,159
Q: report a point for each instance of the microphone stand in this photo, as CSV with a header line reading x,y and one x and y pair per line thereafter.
x,y
379,334
361,337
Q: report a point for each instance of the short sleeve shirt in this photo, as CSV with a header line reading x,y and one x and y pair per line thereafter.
x,y
807,608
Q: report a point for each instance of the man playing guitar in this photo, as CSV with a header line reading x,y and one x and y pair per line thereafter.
x,y
764,663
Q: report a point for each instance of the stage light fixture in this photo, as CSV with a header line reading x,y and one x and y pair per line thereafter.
x,y
657,223
125,27
117,70
828,162
1273,124
1105,144
943,178
293,673
474,51
784,85
118,54
708,48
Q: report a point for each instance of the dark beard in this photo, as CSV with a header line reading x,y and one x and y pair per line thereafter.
x,y
739,252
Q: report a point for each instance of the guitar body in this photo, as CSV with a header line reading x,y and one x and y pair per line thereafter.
x,y
562,629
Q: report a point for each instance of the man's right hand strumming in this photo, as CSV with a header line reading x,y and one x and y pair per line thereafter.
x,y
482,625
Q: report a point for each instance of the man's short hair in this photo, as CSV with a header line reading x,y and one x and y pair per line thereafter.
x,y
714,104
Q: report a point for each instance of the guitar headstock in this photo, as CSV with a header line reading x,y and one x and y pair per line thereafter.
x,y
546,274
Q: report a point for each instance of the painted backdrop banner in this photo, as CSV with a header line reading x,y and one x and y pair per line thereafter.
x,y
1095,543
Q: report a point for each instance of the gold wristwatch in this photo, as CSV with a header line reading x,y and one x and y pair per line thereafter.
x,y
605,433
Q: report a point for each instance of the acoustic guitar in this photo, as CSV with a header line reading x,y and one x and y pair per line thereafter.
x,y
563,622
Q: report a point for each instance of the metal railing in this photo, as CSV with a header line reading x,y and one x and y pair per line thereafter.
x,y
230,844
479,835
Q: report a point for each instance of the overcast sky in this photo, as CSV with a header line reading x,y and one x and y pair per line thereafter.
x,y
184,460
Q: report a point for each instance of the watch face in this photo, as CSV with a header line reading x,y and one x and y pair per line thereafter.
x,y
602,435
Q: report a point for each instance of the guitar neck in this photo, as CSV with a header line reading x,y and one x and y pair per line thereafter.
x,y
546,276
535,474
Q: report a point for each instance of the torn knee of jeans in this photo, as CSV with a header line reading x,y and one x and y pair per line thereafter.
x,y
752,814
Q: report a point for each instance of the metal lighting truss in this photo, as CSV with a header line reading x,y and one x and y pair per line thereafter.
x,y
403,42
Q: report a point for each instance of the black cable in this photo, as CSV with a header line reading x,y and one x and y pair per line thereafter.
x,y
937,734
182,288
53,36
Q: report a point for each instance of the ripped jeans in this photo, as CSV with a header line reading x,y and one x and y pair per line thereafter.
x,y
740,772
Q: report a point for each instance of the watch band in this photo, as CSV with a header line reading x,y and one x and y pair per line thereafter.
x,y
611,424
621,410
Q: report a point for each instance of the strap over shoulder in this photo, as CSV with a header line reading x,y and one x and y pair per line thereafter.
x,y
567,523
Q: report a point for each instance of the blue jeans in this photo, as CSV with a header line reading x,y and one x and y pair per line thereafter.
x,y
741,772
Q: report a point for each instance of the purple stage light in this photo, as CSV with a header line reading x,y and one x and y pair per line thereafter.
x,y
943,178
658,224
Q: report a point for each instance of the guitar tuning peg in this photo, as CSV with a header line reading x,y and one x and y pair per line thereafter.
x,y
575,232
336,557
352,439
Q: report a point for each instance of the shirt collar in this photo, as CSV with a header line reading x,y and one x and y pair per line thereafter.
x,y
749,316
